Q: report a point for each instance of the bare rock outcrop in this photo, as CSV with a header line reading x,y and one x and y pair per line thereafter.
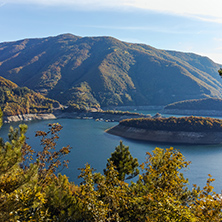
x,y
28,117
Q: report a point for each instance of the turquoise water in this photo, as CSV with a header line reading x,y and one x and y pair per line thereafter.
x,y
90,144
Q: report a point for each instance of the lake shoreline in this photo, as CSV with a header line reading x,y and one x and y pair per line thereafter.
x,y
216,113
98,116
175,137
28,117
104,116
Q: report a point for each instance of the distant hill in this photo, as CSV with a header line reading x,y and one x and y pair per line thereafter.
x,y
197,104
16,100
103,71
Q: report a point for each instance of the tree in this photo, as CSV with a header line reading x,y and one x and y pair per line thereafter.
x,y
23,181
49,159
61,200
207,205
168,197
220,72
20,197
124,162
1,115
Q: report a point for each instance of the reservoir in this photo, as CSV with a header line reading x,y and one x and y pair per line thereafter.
x,y
90,144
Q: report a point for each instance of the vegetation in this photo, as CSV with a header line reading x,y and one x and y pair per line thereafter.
x,y
188,124
75,108
1,115
197,104
123,161
24,179
220,72
32,190
119,112
81,97
16,100
103,71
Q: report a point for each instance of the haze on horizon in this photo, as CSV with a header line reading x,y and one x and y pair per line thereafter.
x,y
188,26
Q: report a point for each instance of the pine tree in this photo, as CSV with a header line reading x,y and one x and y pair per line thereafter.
x,y
19,194
23,181
124,162
220,72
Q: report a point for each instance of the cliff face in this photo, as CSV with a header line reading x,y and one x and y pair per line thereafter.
x,y
167,136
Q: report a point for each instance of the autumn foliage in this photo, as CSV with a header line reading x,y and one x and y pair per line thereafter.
x,y
187,124
31,189
16,100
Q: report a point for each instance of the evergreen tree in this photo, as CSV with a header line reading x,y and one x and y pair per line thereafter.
x,y
220,72
23,193
20,198
124,162
1,115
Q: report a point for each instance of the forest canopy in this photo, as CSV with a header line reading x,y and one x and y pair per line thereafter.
x,y
187,124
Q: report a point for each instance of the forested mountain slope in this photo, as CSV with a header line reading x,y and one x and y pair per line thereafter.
x,y
103,71
16,100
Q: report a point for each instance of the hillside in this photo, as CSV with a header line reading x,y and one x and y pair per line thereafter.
x,y
103,71
197,104
16,100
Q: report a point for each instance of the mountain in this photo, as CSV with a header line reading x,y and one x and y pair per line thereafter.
x,y
16,100
103,71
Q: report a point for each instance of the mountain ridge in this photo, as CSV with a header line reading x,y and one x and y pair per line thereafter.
x,y
104,71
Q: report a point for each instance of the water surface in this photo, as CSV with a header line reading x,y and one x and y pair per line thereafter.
x,y
90,144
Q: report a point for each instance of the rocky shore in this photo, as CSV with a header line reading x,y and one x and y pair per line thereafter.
x,y
166,136
28,117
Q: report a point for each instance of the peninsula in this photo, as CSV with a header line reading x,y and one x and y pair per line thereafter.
x,y
185,130
197,107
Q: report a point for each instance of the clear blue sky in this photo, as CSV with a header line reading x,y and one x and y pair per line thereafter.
x,y
185,25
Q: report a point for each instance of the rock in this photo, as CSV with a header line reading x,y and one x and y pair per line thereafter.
x,y
28,117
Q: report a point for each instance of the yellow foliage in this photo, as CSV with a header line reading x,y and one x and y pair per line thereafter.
x,y
34,193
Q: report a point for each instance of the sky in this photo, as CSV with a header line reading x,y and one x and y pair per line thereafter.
x,y
186,25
